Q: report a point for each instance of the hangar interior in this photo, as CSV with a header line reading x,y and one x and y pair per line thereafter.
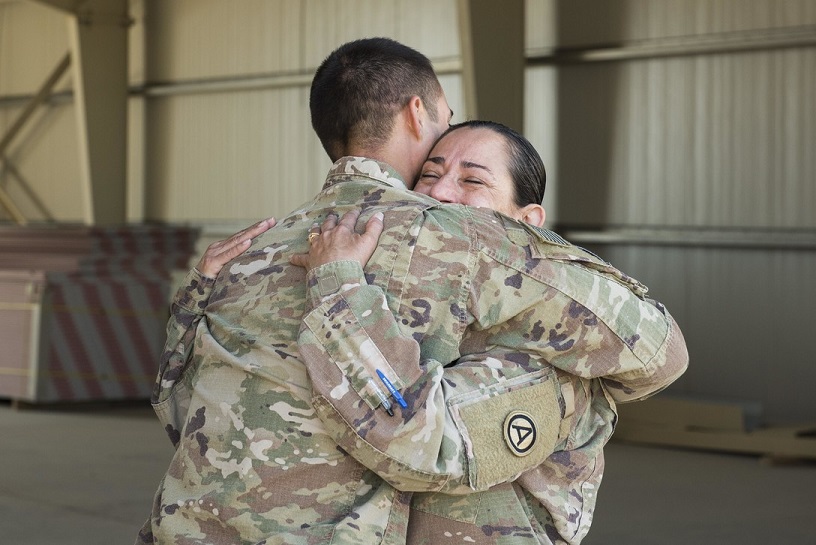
x,y
678,137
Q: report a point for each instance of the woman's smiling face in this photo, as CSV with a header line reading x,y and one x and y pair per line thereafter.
x,y
470,166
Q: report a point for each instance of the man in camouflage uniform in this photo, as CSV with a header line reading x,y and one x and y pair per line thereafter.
x,y
258,458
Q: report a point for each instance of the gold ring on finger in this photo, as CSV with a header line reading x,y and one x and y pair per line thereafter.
x,y
313,235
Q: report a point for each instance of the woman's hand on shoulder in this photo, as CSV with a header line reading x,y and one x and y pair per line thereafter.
x,y
338,241
221,252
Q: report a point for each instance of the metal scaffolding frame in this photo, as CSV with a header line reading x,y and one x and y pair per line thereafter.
x,y
98,62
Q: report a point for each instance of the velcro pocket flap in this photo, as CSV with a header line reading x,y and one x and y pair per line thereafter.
x,y
510,428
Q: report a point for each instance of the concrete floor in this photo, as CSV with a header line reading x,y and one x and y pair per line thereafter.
x,y
87,476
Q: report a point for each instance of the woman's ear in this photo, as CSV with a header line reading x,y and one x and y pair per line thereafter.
x,y
534,214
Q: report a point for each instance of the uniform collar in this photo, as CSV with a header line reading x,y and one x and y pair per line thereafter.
x,y
366,168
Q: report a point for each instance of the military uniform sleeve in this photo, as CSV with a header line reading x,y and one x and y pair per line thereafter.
x,y
455,433
585,317
170,398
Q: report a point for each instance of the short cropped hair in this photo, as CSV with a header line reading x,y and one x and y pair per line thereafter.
x,y
526,167
359,88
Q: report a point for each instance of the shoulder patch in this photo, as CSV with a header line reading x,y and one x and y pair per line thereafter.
x,y
520,433
548,236
523,233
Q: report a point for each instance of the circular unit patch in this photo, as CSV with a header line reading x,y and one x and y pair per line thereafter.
x,y
520,433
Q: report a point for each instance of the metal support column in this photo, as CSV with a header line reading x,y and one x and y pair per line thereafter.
x,y
492,41
98,39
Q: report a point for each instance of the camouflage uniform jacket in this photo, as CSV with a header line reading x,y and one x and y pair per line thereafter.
x,y
254,462
534,313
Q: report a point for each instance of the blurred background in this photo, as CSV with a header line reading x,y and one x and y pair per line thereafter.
x,y
679,138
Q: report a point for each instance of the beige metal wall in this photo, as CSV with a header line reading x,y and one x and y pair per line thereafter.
x,y
719,140
229,138
219,123
683,136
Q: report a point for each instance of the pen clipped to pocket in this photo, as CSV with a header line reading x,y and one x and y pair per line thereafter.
x,y
394,391
383,398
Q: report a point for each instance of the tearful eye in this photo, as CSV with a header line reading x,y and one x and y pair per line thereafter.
x,y
429,175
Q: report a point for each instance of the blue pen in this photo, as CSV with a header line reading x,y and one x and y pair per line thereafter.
x,y
385,403
394,391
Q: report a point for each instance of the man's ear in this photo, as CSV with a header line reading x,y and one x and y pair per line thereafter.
x,y
534,214
414,116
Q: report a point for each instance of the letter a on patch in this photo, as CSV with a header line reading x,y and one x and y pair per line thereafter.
x,y
520,433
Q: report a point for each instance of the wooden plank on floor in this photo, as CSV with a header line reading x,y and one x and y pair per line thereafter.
x,y
712,425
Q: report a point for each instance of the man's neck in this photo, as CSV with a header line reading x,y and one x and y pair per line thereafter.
x,y
400,162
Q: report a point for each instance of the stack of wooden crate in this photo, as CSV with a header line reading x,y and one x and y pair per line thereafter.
x,y
83,309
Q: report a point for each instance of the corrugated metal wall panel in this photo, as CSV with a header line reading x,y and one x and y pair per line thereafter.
x,y
610,22
194,39
719,141
208,152
732,122
428,25
332,23
236,156
225,156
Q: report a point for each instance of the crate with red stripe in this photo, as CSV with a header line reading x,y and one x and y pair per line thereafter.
x,y
83,310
